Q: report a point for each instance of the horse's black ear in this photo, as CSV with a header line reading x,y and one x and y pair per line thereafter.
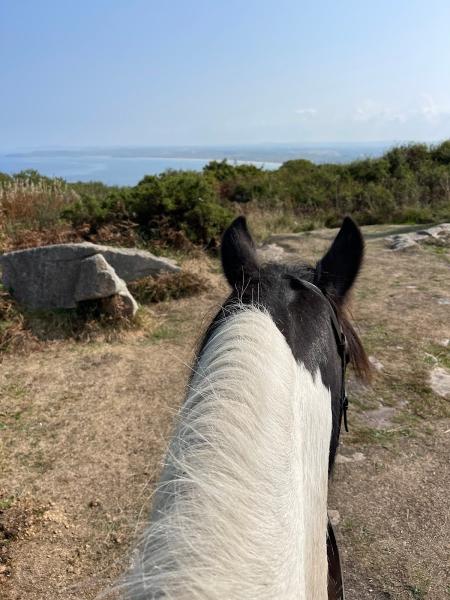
x,y
238,253
338,269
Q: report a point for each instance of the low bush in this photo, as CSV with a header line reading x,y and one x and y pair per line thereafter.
x,y
167,286
183,201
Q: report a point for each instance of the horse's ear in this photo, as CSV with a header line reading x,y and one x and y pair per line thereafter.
x,y
338,269
238,253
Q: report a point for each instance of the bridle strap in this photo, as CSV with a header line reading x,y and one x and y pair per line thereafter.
x,y
335,581
342,346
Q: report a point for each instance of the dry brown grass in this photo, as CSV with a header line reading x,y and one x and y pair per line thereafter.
x,y
14,334
27,206
30,214
19,239
121,233
167,286
23,331
270,221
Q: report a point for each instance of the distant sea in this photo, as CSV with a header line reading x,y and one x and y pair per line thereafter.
x,y
128,165
108,169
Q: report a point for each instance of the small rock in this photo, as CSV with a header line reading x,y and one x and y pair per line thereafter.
x,y
376,363
97,279
438,235
445,343
440,382
334,516
400,242
355,457
381,418
443,301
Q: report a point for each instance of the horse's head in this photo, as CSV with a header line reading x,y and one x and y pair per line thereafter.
x,y
302,312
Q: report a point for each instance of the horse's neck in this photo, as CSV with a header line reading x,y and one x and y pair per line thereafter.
x,y
241,509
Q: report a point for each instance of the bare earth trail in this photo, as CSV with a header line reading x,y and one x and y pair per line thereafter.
x,y
83,427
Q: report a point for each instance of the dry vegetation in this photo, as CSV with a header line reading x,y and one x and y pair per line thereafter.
x,y
30,213
85,415
167,286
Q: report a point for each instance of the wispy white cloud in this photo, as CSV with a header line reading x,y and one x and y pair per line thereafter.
x,y
426,109
306,112
372,111
431,110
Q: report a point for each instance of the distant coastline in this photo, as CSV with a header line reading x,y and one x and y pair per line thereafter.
x,y
127,165
110,170
271,152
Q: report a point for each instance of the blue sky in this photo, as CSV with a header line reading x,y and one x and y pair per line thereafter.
x,y
141,72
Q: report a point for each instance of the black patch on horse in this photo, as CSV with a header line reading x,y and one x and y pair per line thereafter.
x,y
301,314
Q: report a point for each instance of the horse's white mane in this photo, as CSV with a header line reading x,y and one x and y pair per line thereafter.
x,y
240,511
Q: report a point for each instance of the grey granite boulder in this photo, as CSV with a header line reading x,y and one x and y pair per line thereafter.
x,y
97,279
131,264
55,276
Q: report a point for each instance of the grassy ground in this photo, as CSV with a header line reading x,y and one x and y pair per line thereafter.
x,y
84,424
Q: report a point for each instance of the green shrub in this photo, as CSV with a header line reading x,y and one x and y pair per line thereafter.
x,y
441,153
414,214
185,201
241,183
97,210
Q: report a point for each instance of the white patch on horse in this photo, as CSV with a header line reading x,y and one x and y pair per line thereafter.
x,y
240,511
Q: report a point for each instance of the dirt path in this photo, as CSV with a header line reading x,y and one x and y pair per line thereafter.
x,y
83,428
